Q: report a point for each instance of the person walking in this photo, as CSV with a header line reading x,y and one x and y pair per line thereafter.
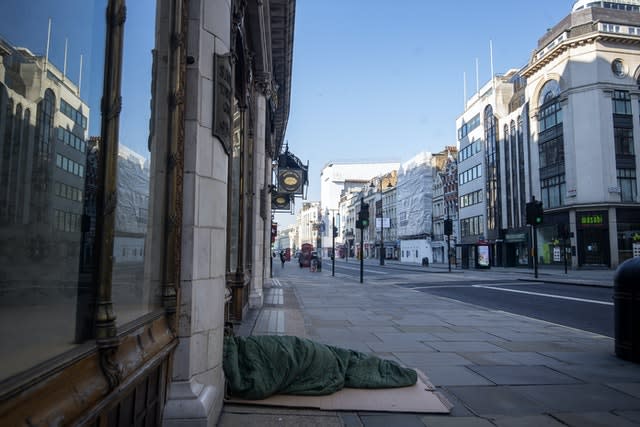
x,y
282,258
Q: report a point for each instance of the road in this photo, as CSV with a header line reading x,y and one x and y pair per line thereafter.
x,y
586,308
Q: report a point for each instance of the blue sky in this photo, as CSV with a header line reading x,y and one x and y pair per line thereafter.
x,y
382,80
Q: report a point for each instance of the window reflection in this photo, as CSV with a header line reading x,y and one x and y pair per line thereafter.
x,y
50,87
133,293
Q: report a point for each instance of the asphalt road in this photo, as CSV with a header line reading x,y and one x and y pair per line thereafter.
x,y
582,307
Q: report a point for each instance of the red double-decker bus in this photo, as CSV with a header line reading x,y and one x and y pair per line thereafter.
x,y
304,259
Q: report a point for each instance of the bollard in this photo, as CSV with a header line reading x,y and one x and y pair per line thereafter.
x,y
626,310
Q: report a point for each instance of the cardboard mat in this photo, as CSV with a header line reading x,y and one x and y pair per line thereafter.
x,y
419,398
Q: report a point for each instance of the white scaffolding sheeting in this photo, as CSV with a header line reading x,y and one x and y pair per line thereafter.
x,y
133,192
414,197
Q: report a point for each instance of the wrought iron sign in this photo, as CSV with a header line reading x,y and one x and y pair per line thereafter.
x,y
281,201
293,176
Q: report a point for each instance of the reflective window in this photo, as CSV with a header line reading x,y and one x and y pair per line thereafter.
x,y
134,292
51,83
51,65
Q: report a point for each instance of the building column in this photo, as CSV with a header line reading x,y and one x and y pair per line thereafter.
x,y
262,215
196,387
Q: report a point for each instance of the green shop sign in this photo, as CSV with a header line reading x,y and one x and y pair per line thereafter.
x,y
597,219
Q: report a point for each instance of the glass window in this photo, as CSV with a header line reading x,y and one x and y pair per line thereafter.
x,y
623,139
627,184
46,248
41,274
133,292
621,102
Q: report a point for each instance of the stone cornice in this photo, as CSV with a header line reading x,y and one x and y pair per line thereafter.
x,y
566,45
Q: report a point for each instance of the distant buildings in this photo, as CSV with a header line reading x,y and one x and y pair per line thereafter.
x,y
563,129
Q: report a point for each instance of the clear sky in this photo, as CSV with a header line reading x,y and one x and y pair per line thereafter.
x,y
381,80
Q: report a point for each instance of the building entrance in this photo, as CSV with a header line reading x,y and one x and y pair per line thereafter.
x,y
593,239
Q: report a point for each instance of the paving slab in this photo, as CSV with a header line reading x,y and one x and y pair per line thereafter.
x,y
595,419
466,336
444,421
520,375
579,398
431,358
387,420
632,389
406,337
603,373
629,415
527,421
524,358
398,346
497,400
263,420
453,376
585,357
541,346
464,346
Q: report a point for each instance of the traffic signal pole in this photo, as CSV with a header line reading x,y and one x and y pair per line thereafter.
x,y
361,253
333,246
535,252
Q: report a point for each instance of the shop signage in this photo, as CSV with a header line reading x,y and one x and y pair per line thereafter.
x,y
515,237
596,219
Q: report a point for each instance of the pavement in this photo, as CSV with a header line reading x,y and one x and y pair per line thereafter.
x,y
496,368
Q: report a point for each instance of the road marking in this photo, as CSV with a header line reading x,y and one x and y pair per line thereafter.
x,y
544,295
365,271
437,287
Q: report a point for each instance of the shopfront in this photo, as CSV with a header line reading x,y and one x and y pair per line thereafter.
x,y
628,220
593,239
517,247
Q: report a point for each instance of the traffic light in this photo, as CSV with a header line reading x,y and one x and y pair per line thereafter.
x,y
363,215
448,227
535,213
335,231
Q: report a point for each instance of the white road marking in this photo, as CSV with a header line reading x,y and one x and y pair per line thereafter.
x,y
544,295
365,272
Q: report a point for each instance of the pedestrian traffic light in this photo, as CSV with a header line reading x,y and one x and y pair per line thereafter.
x,y
535,213
364,215
448,227
335,231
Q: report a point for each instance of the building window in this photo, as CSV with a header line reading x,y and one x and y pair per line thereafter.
x,y
473,226
492,161
623,138
621,102
627,184
553,190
